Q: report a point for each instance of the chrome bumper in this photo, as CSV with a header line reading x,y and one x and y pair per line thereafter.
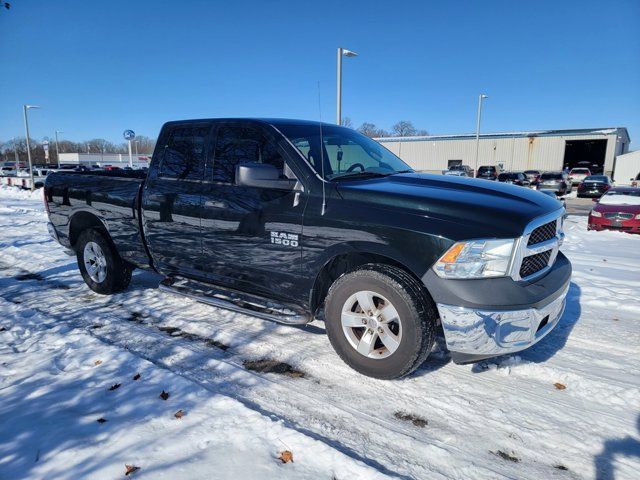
x,y
497,332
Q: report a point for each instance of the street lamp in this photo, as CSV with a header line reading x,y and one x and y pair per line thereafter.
x,y
57,148
346,53
136,142
26,127
481,97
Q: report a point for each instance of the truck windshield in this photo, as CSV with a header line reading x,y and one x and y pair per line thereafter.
x,y
346,153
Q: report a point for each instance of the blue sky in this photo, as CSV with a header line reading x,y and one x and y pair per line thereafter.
x,y
98,68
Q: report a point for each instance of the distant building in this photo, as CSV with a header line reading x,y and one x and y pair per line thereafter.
x,y
546,150
102,160
627,168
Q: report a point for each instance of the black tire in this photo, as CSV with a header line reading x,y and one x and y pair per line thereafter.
x,y
117,272
416,313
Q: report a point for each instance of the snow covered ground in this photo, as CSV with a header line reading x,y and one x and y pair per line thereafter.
x,y
63,349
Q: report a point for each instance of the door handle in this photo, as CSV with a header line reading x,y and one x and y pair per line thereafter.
x,y
215,204
157,197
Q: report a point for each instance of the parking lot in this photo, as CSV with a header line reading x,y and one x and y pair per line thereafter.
x,y
578,206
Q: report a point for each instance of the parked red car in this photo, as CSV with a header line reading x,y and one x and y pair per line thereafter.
x,y
618,209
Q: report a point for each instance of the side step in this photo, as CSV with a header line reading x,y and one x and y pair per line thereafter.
x,y
236,301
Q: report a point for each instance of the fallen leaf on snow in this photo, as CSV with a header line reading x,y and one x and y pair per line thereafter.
x,y
115,386
179,414
616,319
506,456
136,376
129,469
164,395
409,417
559,386
286,456
2,329
97,362
102,420
561,467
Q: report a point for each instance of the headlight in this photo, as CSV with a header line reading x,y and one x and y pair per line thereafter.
x,y
595,214
476,259
638,216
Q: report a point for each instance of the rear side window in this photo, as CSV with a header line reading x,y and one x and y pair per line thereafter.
x,y
236,145
185,153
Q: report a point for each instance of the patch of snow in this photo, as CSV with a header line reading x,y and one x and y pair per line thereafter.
x,y
474,420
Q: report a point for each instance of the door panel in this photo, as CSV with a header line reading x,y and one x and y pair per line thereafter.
x,y
172,224
250,235
172,200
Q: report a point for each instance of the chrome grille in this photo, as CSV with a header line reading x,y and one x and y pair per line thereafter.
x,y
543,233
537,249
534,263
620,215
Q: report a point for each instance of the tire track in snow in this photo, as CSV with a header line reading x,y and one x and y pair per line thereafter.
x,y
121,335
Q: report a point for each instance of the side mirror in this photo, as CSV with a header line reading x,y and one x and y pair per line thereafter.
x,y
262,175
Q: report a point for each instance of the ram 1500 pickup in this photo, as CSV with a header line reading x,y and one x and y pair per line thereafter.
x,y
292,220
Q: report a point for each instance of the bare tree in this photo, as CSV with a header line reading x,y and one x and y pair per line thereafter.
x,y
371,131
404,128
346,122
145,145
9,148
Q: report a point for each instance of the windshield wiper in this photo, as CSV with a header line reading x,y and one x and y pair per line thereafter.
x,y
350,176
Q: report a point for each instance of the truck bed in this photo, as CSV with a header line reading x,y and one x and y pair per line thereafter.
x,y
108,197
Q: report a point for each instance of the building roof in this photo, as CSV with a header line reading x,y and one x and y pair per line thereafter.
x,y
620,131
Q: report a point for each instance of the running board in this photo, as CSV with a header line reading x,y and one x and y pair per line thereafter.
x,y
235,301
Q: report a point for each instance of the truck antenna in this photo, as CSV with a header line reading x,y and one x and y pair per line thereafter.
x,y
324,196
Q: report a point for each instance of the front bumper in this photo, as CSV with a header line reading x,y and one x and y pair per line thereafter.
x,y
631,225
473,334
485,318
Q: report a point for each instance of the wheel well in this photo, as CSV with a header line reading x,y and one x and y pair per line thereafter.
x,y
80,222
342,264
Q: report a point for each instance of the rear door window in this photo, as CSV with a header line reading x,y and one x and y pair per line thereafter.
x,y
239,144
184,155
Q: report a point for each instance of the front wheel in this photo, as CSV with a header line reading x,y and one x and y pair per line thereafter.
x,y
100,264
380,321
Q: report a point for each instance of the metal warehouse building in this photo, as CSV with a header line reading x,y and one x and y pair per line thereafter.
x,y
536,150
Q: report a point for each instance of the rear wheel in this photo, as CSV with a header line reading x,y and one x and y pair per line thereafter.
x,y
100,264
380,321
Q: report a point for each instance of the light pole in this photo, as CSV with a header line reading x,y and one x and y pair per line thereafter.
x,y
57,148
26,127
136,142
346,53
481,97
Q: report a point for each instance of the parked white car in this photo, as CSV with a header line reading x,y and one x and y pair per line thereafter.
x,y
577,175
459,171
7,171
37,172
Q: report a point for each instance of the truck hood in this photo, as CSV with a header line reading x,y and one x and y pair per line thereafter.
x,y
481,205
